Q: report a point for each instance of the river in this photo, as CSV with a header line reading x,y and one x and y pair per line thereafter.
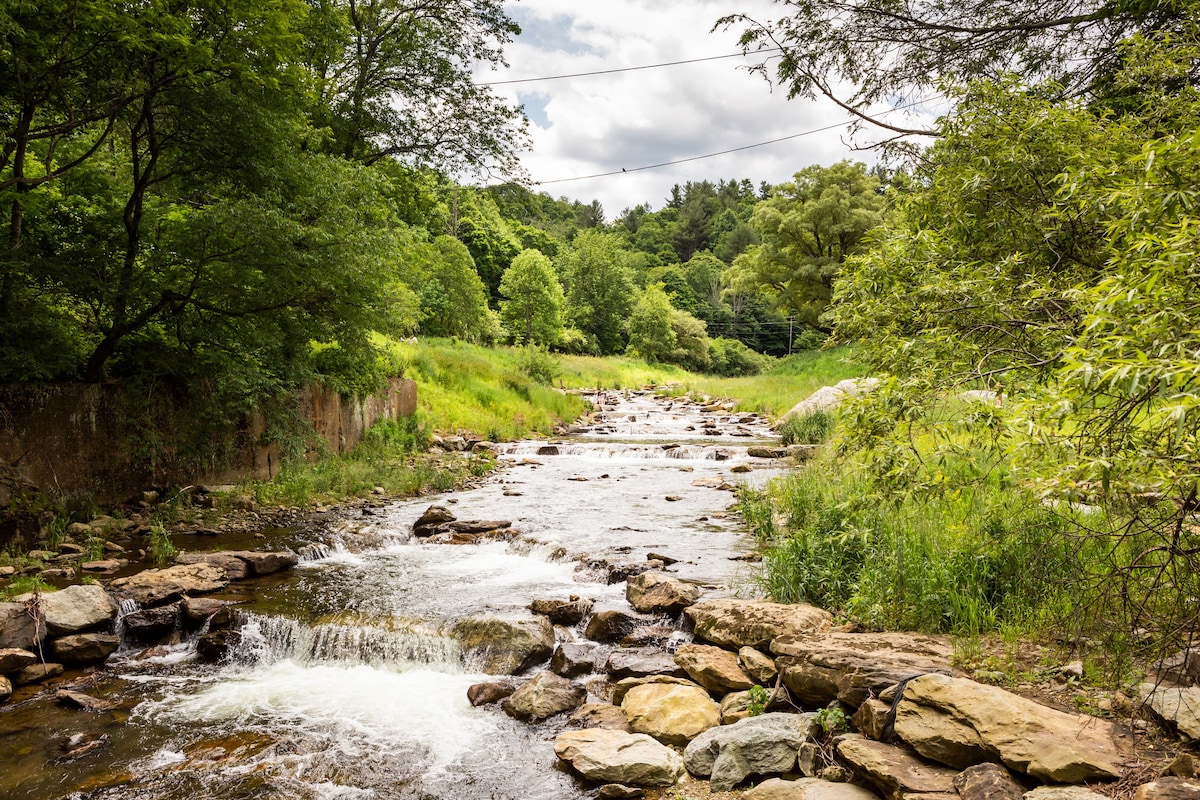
x,y
346,683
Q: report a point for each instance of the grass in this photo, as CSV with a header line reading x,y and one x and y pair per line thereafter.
x,y
24,585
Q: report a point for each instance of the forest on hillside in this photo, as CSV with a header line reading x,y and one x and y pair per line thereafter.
x,y
249,196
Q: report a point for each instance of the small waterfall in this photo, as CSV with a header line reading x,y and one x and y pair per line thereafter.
x,y
266,640
124,609
607,451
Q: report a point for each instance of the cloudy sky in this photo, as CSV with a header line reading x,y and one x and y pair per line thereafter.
x,y
604,123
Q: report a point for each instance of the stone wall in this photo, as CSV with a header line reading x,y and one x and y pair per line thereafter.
x,y
82,439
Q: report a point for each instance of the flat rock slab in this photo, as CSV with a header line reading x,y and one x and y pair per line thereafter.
x,y
807,789
632,759
157,586
960,723
1063,793
895,770
734,623
241,564
852,667
761,745
14,658
641,663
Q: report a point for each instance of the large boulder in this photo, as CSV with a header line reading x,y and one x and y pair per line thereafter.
x,y
640,663
656,593
544,696
609,756
672,713
505,646
761,745
730,622
807,789
84,648
1179,708
73,609
21,627
959,722
713,668
829,398
240,564
14,658
622,687
895,771
851,667
157,586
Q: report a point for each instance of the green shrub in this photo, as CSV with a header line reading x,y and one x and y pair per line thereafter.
x,y
813,428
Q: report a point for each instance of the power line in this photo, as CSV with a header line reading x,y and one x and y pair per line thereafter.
x,y
623,69
810,132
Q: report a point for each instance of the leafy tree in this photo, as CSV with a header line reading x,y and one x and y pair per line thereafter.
x,y
599,287
650,333
477,222
453,299
396,79
884,50
808,227
532,304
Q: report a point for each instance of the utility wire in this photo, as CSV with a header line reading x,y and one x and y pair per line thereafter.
x,y
810,132
625,69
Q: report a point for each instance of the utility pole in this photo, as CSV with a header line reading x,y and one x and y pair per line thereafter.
x,y
791,320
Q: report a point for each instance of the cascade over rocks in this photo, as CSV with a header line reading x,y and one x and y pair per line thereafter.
x,y
960,723
761,745
608,756
853,666
656,593
563,612
737,623
505,647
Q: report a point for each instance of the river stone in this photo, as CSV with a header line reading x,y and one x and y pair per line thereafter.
x,y
36,673
641,663
74,608
158,586
484,694
895,770
735,706
671,713
544,696
572,660
1063,793
14,658
1179,708
20,627
851,667
761,745
987,782
615,791
757,665
428,523
503,646
84,648
6,688
610,626
214,646
152,624
618,757
563,612
599,715
235,568
1170,788
730,622
871,719
199,610
621,687
71,699
959,722
656,593
713,668
761,451
807,789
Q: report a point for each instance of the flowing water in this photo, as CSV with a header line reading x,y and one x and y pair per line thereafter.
x,y
346,684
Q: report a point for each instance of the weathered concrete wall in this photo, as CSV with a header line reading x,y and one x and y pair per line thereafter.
x,y
82,439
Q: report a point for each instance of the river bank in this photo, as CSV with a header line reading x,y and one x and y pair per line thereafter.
x,y
351,673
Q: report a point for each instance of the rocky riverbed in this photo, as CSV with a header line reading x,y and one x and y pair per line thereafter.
x,y
582,624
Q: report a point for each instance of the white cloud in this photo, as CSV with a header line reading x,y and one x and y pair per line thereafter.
x,y
603,123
